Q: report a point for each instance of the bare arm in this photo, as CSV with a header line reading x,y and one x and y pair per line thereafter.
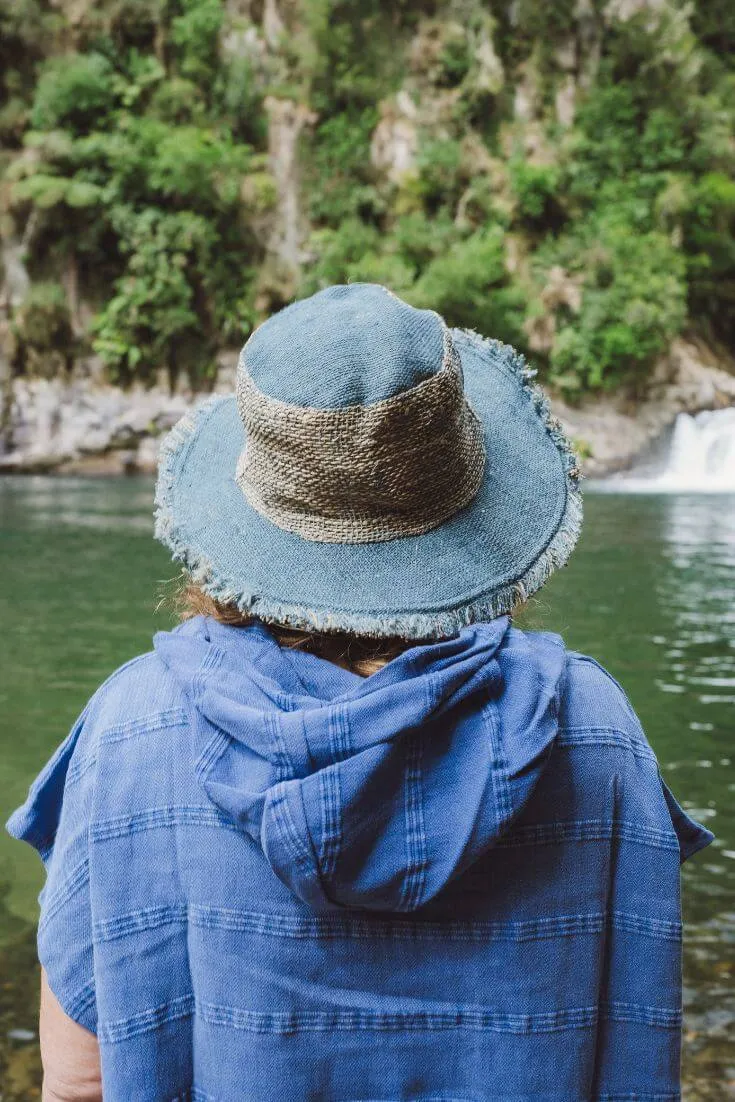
x,y
69,1053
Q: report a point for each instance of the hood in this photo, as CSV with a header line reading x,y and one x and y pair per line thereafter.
x,y
369,792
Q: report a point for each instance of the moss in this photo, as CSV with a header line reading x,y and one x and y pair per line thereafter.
x,y
44,341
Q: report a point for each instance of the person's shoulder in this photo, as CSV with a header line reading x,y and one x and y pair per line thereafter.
x,y
140,692
594,699
596,713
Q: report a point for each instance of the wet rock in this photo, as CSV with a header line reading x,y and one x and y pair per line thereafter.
x,y
85,426
611,431
76,424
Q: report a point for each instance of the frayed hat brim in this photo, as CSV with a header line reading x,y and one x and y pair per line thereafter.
x,y
494,553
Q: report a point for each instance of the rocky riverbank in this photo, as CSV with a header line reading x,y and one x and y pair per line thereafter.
x,y
83,424
612,432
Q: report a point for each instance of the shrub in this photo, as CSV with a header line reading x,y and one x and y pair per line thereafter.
x,y
534,187
195,35
43,331
633,305
439,167
469,286
75,91
151,320
336,252
709,242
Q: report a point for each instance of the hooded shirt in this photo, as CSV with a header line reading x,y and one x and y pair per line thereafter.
x,y
456,879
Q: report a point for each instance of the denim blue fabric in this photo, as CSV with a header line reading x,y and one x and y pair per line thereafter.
x,y
358,343
456,880
333,336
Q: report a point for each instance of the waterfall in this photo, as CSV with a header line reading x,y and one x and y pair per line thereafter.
x,y
700,458
702,453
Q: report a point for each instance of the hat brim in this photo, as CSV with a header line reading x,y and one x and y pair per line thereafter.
x,y
522,524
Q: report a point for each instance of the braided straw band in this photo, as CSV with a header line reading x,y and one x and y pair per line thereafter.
x,y
359,474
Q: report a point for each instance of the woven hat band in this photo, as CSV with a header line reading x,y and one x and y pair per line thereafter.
x,y
360,474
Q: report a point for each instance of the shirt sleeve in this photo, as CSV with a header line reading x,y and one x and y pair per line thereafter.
x,y
55,821
692,835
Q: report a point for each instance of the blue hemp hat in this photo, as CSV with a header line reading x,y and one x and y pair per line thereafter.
x,y
376,473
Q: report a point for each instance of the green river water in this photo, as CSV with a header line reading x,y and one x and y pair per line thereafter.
x,y
650,592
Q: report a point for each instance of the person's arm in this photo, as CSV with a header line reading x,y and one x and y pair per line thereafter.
x,y
70,1054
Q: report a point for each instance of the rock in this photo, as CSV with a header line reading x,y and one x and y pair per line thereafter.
x,y
146,458
286,121
589,39
613,430
427,103
16,281
526,96
81,424
395,140
565,100
561,289
624,10
273,25
490,76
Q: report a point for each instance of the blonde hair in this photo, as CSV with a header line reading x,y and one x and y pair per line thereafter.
x,y
362,656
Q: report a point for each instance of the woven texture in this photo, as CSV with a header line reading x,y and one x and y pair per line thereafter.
x,y
397,467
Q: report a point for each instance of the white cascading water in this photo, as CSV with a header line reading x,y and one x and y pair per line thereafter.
x,y
701,457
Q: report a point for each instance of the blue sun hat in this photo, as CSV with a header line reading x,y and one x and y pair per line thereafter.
x,y
376,472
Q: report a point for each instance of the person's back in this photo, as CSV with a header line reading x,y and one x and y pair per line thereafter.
x,y
455,879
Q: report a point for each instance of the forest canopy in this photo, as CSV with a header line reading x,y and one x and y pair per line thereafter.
x,y
559,176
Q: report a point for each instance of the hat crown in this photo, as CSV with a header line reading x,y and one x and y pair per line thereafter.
x,y
349,345
357,428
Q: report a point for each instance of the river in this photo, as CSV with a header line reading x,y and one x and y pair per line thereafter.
x,y
650,592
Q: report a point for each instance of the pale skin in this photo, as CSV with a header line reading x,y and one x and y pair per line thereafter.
x,y
70,1054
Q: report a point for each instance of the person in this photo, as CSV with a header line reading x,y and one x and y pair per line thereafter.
x,y
347,832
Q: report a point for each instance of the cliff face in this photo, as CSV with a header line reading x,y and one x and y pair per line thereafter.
x,y
556,175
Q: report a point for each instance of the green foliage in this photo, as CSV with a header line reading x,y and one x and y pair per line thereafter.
x,y
47,191
339,250
195,35
43,318
42,330
456,57
633,304
420,238
439,173
339,175
708,222
136,145
74,91
151,315
534,187
146,182
354,54
470,287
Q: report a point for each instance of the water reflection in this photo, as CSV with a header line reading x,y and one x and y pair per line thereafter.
x,y
103,503
698,593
